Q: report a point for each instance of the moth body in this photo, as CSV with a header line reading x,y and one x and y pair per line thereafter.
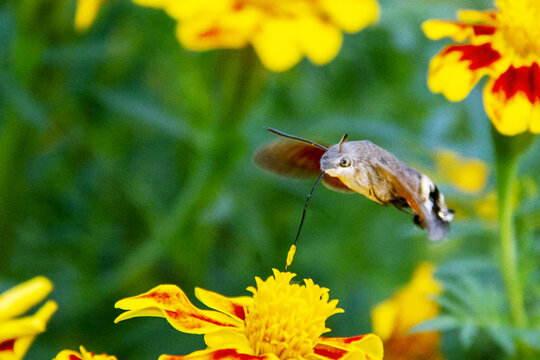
x,y
365,168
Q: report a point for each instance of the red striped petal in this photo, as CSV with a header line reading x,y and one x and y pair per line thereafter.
x,y
230,306
478,56
169,301
221,354
525,79
369,345
456,70
7,345
458,31
329,352
512,101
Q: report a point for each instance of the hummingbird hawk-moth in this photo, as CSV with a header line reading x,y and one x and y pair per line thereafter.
x,y
362,167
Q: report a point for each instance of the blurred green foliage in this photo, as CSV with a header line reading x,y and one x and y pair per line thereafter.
x,y
125,163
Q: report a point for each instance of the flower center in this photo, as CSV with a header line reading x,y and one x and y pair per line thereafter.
x,y
287,319
519,24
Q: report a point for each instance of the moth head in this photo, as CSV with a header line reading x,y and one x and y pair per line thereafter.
x,y
338,161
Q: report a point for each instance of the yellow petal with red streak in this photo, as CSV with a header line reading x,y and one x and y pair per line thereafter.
x,y
510,116
456,70
368,346
512,101
170,302
231,306
221,354
24,330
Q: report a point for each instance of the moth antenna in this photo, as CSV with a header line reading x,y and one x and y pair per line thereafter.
x,y
304,211
343,139
280,133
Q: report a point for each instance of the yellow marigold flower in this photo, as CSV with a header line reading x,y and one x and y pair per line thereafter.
x,y
503,44
281,31
393,318
82,355
86,13
468,175
17,334
280,321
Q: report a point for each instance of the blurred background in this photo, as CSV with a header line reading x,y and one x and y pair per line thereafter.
x,y
124,165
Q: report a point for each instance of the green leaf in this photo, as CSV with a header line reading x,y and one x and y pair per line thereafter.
x,y
504,338
146,113
440,323
467,334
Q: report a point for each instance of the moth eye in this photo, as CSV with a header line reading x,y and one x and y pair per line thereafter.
x,y
345,162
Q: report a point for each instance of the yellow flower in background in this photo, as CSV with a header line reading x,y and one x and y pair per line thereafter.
x,y
468,175
280,31
86,13
503,44
18,333
82,355
413,304
280,321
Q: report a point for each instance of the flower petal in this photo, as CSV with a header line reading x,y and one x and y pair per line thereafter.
x,y
68,355
221,354
456,70
228,338
22,297
318,39
86,13
23,331
276,48
170,302
230,306
83,355
351,15
370,346
384,319
220,29
486,17
512,101
438,29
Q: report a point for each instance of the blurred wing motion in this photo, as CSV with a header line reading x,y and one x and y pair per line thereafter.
x,y
426,210
297,160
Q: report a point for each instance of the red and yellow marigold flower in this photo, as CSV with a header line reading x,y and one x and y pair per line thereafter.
x,y
392,319
280,31
18,333
503,44
82,355
280,321
86,13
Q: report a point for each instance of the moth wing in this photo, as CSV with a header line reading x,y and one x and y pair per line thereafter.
x,y
428,220
290,158
333,183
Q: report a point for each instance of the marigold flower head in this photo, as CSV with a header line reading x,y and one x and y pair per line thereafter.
x,y
82,355
280,321
17,334
503,44
280,31
413,304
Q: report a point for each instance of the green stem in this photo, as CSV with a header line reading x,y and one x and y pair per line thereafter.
x,y
506,177
508,151
217,160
